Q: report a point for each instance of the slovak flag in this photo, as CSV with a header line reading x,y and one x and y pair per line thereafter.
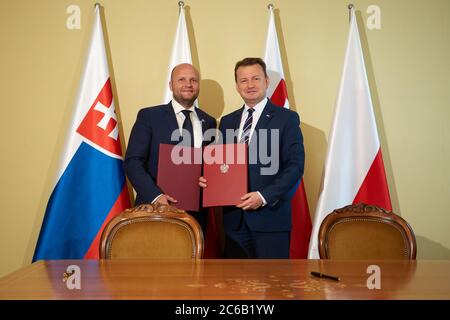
x,y
354,169
277,93
90,188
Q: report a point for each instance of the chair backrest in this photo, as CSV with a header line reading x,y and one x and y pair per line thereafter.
x,y
152,231
362,232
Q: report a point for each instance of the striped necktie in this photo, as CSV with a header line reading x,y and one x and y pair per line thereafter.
x,y
247,126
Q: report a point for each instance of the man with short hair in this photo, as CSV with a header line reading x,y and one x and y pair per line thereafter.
x,y
155,125
259,227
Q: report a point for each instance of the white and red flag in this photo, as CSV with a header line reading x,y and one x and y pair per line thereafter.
x,y
354,169
181,53
277,93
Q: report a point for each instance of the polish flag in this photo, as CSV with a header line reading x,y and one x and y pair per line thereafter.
x,y
277,93
181,53
354,170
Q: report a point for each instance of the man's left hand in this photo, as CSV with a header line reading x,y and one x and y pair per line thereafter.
x,y
251,201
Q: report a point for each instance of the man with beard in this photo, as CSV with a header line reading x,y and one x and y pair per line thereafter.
x,y
155,125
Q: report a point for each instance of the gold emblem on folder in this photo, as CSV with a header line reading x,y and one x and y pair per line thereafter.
x,y
224,168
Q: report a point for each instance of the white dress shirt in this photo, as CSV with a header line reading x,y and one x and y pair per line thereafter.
x,y
259,107
196,123
256,114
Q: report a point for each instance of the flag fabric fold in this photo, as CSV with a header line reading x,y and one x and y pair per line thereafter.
x,y
90,187
354,170
181,53
277,93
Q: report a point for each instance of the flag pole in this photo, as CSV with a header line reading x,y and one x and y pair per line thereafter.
x,y
270,6
97,4
181,5
350,7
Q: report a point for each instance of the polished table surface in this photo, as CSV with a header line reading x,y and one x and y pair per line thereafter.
x,y
229,279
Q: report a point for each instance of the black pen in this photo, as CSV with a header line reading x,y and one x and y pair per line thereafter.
x,y
322,275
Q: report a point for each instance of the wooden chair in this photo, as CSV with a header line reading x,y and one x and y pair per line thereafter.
x,y
362,232
152,231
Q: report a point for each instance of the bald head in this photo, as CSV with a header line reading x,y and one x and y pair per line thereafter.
x,y
184,66
185,84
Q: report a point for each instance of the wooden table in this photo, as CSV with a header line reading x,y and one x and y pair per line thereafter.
x,y
228,279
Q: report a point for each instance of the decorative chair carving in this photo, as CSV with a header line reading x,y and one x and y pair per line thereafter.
x,y
152,231
362,232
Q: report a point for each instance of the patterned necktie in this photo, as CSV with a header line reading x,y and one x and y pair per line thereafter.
x,y
187,125
247,126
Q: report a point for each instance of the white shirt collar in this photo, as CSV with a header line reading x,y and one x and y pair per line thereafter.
x,y
259,107
178,107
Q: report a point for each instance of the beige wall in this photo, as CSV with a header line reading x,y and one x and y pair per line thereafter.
x,y
408,65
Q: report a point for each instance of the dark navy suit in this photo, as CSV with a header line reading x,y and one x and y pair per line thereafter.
x,y
278,188
153,126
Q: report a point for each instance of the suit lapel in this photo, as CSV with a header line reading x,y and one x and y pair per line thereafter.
x,y
171,119
266,117
201,117
237,121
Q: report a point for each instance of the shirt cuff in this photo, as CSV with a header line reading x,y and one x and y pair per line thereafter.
x,y
262,198
154,200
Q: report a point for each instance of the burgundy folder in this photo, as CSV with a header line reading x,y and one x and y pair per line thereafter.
x,y
178,171
225,168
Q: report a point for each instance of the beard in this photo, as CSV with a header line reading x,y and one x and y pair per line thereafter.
x,y
185,100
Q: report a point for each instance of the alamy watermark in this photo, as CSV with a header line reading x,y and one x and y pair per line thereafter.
x,y
374,19
374,280
72,277
263,149
73,21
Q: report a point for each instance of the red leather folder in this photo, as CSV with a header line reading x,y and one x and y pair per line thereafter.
x,y
178,171
225,167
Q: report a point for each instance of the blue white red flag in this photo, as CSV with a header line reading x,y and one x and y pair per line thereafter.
x,y
90,188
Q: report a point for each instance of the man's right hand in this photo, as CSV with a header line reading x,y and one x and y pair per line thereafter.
x,y
202,182
166,199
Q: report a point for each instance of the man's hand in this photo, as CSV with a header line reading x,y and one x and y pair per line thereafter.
x,y
166,199
202,182
251,201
